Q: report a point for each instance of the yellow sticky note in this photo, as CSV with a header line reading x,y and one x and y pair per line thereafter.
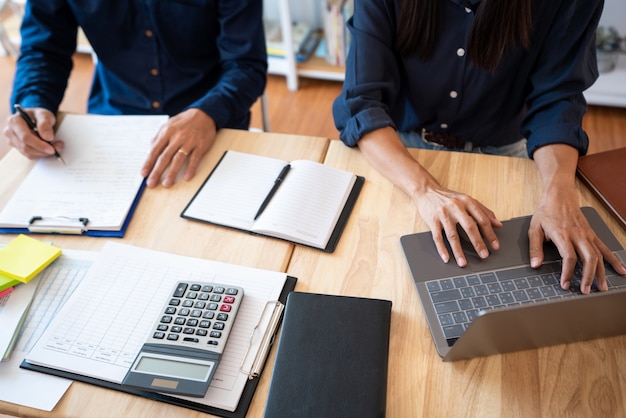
x,y
24,257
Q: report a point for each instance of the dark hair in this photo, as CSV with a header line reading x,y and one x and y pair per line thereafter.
x,y
498,24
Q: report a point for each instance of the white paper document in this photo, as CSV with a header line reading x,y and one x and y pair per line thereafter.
x,y
99,181
102,327
56,284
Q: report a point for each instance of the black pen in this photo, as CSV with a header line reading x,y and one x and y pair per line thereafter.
x,y
33,127
279,180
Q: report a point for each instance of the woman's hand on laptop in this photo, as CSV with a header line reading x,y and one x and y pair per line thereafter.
x,y
560,220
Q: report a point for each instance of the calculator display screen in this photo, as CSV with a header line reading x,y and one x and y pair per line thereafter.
x,y
173,368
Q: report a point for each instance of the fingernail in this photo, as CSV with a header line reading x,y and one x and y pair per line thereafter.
x,y
495,245
586,288
444,257
534,262
484,254
461,262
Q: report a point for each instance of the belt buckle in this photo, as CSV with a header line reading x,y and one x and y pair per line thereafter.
x,y
442,140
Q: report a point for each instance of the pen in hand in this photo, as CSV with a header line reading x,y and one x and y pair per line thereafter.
x,y
277,182
33,127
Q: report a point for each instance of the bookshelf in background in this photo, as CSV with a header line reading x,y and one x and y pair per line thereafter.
x,y
319,65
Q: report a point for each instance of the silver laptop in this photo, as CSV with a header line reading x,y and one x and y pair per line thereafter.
x,y
501,304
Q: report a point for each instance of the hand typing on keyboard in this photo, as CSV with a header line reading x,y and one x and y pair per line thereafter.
x,y
560,220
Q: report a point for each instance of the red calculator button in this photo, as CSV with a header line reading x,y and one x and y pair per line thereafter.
x,y
229,299
225,308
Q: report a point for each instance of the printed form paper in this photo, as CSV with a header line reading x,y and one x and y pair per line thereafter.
x,y
103,156
55,284
101,329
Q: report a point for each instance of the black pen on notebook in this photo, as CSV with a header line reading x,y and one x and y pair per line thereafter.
x,y
277,183
33,127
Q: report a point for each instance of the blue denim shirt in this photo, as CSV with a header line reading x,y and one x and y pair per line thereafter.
x,y
154,56
536,94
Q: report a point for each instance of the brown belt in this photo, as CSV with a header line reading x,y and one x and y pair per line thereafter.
x,y
443,139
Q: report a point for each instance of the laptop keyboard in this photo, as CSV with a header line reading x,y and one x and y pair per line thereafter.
x,y
459,300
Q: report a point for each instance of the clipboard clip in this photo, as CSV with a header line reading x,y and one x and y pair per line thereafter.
x,y
58,225
268,334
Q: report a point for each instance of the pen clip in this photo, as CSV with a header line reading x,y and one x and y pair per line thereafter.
x,y
267,338
272,192
57,225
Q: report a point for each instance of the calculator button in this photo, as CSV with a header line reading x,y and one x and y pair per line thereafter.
x,y
189,330
215,334
211,342
225,308
172,337
180,290
162,328
170,310
176,328
166,319
207,288
208,315
174,302
215,298
212,306
180,321
191,340
229,299
222,317
195,287
192,323
199,305
184,312
187,303
231,291
192,295
201,332
159,335
218,289
218,325
196,313
204,296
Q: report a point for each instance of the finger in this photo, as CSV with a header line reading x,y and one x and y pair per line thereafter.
x,y
610,257
176,164
474,236
159,144
192,166
487,227
592,267
455,243
536,238
439,244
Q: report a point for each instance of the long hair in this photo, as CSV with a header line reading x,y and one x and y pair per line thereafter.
x,y
498,24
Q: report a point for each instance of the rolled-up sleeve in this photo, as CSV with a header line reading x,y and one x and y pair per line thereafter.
x,y
566,66
370,84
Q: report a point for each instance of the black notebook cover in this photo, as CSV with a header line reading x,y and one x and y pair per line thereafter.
x,y
332,357
242,407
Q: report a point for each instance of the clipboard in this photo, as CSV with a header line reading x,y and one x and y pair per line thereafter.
x,y
249,389
57,225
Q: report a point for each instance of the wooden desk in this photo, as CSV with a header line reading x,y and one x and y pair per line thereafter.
x,y
584,379
157,225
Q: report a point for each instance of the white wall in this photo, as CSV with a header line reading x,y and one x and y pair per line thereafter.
x,y
309,11
614,14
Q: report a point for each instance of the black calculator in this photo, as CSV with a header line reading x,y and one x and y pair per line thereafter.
x,y
187,340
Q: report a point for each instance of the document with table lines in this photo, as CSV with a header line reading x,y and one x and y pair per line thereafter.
x,y
55,284
99,181
102,327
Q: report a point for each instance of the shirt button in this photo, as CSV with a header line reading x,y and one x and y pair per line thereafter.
x,y
468,10
156,105
460,52
154,72
454,94
444,126
148,33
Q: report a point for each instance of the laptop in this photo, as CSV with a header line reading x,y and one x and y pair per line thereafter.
x,y
501,304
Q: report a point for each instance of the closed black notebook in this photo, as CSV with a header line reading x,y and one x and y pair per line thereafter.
x,y
331,359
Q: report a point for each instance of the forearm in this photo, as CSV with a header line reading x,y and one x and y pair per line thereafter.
x,y
384,150
557,167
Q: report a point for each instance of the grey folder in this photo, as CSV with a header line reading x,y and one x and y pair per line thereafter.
x,y
527,325
331,359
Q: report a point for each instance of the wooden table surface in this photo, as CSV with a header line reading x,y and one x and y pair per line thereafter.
x,y
586,379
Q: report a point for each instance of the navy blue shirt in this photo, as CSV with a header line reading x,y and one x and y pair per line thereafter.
x,y
154,56
536,94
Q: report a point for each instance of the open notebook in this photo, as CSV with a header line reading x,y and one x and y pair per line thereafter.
x,y
301,201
